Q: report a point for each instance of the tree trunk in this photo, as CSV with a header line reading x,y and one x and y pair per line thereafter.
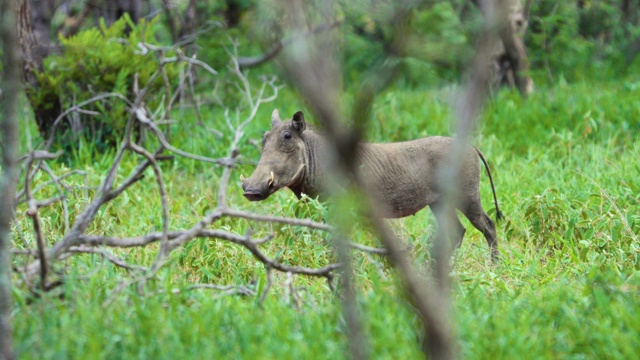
x,y
33,53
9,137
510,59
513,26
233,13
41,14
112,10
189,21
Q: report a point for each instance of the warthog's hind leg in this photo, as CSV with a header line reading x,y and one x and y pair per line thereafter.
x,y
481,221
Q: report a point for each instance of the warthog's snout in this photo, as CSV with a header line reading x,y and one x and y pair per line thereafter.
x,y
253,195
259,192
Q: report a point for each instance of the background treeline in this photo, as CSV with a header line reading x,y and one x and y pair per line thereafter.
x,y
83,48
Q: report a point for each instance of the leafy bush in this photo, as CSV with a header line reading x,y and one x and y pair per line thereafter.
x,y
576,42
95,61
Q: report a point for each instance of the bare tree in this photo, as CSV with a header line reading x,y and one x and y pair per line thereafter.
x,y
9,136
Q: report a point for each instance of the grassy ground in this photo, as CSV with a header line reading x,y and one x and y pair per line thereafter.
x,y
566,167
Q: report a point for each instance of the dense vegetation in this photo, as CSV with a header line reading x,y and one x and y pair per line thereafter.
x,y
565,162
566,167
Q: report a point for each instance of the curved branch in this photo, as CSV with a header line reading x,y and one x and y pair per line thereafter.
x,y
253,61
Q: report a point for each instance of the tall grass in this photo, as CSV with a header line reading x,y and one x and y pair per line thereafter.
x,y
566,166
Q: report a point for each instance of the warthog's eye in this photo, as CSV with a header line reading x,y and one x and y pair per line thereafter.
x,y
287,135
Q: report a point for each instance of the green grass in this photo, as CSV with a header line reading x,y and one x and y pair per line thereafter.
x,y
566,167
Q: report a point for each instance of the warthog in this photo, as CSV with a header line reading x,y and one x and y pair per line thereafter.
x,y
401,177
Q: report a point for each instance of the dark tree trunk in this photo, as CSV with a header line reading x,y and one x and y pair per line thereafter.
x,y
180,29
41,15
511,62
33,53
233,12
9,141
112,10
515,59
189,21
170,20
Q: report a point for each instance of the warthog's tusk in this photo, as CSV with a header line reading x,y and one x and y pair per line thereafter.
x,y
271,179
241,177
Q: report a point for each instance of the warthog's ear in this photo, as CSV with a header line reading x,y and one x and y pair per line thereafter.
x,y
275,117
298,122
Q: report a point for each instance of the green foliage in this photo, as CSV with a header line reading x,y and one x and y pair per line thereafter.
x,y
566,169
577,43
96,61
565,163
438,43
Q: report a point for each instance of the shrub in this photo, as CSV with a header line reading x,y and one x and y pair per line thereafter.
x,y
97,60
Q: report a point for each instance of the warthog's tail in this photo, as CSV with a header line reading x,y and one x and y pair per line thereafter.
x,y
499,214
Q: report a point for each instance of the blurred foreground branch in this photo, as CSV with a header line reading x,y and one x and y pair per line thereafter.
x,y
11,84
314,70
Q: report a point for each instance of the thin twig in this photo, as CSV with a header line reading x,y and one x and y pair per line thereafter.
x,y
107,255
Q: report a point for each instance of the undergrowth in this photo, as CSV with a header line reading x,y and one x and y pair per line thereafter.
x,y
568,283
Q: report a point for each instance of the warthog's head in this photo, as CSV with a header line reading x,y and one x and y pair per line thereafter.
x,y
282,162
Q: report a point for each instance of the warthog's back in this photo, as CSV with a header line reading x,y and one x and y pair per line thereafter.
x,y
403,176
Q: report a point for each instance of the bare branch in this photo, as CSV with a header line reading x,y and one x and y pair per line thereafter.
x,y
77,107
142,117
268,285
163,194
277,219
226,289
40,155
248,62
107,255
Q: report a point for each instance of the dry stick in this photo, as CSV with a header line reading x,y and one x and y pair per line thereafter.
x,y
167,101
163,195
59,186
20,194
31,156
142,117
267,287
136,175
95,240
34,206
278,219
192,91
76,107
34,214
107,255
326,271
227,289
248,62
83,220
